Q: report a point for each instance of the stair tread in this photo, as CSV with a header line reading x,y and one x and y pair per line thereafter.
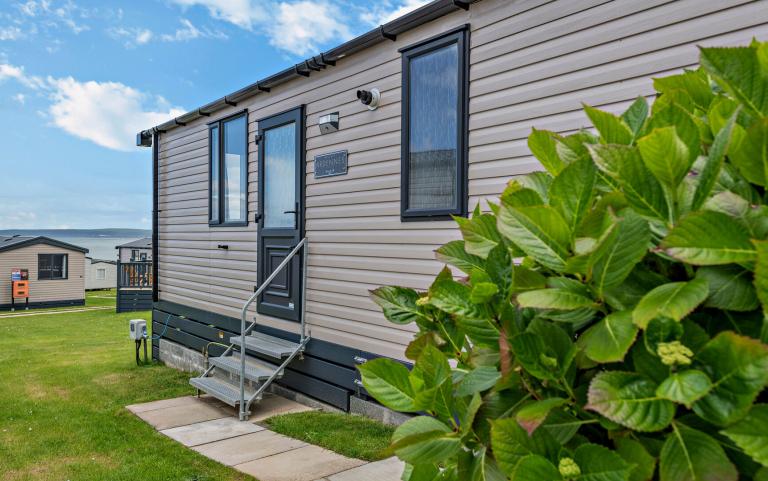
x,y
255,370
221,389
266,344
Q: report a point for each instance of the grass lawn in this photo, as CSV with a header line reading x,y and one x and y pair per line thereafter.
x,y
352,436
64,382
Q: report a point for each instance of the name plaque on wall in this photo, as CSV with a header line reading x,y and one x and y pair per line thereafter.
x,y
330,164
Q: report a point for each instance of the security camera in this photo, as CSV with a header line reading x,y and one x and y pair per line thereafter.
x,y
370,98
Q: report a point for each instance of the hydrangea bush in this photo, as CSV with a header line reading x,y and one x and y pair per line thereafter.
x,y
610,324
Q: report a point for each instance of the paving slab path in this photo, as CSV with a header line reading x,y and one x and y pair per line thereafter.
x,y
211,428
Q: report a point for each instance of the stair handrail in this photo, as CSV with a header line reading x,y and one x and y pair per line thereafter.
x,y
245,331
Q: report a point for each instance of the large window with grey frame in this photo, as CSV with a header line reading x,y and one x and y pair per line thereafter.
x,y
52,267
434,131
229,171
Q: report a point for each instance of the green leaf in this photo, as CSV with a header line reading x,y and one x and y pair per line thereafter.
x,y
713,164
510,443
453,297
685,387
751,433
629,399
674,300
739,72
761,274
709,238
738,367
636,114
612,129
598,463
694,83
538,358
424,440
534,468
635,454
542,144
730,288
750,153
479,379
480,234
625,165
621,250
610,339
538,231
388,381
453,253
483,292
690,455
685,127
666,156
398,304
532,415
572,191
516,195
561,299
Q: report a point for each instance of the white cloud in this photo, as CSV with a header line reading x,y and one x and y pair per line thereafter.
x,y
55,14
190,32
106,113
243,13
132,36
389,11
301,27
20,98
10,33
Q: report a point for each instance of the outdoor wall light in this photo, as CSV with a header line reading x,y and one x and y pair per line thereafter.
x,y
329,123
370,98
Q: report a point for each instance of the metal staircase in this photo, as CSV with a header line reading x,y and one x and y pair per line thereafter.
x,y
238,378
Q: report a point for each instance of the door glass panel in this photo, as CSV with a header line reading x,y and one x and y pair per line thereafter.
x,y
234,170
433,129
214,174
280,176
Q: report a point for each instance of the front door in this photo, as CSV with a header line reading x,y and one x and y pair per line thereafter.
x,y
281,208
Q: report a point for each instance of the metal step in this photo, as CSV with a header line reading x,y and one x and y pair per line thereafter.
x,y
221,389
255,369
267,345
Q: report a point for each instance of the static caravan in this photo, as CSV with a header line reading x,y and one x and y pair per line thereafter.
x,y
139,250
100,274
360,154
53,270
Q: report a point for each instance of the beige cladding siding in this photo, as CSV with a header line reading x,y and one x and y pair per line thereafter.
x,y
72,288
532,64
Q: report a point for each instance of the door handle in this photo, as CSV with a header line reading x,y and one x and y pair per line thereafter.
x,y
289,212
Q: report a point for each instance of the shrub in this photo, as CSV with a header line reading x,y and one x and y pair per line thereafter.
x,y
610,325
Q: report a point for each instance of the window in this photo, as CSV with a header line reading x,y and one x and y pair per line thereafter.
x,y
52,266
143,256
434,132
101,274
134,254
228,171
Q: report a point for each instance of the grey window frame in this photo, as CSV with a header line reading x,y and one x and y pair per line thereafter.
x,y
64,267
220,222
459,36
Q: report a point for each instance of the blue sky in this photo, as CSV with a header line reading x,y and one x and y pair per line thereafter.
x,y
79,78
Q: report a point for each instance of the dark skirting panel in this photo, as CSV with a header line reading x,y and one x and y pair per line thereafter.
x,y
326,372
133,300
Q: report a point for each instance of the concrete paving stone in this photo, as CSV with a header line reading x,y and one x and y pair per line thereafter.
x,y
210,431
241,449
272,405
303,464
390,469
163,403
183,415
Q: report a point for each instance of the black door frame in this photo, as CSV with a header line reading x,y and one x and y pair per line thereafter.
x,y
293,236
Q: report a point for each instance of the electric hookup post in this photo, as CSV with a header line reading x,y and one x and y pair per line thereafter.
x,y
138,332
19,287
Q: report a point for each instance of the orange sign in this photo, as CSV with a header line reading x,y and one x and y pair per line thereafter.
x,y
20,289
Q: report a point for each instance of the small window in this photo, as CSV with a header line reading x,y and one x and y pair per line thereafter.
x,y
228,171
143,256
434,130
134,254
52,266
101,274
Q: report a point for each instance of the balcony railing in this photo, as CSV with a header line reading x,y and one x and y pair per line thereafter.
x,y
134,274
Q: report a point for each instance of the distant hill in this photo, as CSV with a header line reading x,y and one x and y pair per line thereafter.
x,y
63,233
